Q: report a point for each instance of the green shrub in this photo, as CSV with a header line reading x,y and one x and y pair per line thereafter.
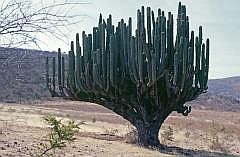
x,y
60,134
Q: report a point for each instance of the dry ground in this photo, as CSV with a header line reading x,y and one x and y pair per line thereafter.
x,y
103,134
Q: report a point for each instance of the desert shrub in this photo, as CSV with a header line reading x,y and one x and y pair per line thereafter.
x,y
187,134
131,136
94,119
60,134
167,135
11,109
219,138
111,131
3,127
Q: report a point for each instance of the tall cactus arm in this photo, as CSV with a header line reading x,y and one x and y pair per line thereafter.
x,y
59,73
54,75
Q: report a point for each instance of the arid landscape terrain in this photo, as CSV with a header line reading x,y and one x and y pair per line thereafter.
x,y
103,133
212,128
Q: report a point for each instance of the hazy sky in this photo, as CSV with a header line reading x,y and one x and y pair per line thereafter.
x,y
219,19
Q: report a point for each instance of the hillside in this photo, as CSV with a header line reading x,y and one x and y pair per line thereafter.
x,y
22,75
223,95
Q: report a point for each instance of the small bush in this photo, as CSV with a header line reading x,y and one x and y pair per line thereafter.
x,y
167,135
60,134
111,132
11,110
94,119
3,127
217,144
218,137
187,134
132,136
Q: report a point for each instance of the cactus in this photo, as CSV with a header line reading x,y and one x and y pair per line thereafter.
x,y
143,77
54,74
51,81
63,72
48,83
60,77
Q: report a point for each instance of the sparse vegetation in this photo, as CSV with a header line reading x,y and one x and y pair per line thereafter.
x,y
60,134
131,136
219,138
187,134
11,109
94,119
92,138
3,128
111,132
167,135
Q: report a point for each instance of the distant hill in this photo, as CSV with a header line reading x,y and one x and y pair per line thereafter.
x,y
22,75
22,79
227,86
223,95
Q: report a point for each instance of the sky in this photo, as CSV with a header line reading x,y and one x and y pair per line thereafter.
x,y
219,19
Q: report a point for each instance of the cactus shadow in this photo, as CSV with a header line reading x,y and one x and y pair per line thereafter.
x,y
171,150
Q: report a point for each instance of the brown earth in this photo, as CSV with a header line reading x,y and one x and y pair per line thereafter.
x,y
103,133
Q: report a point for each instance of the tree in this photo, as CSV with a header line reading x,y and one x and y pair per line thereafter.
x,y
22,21
143,80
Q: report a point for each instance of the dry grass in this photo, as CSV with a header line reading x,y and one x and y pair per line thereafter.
x,y
220,139
167,135
196,134
111,132
187,134
3,127
11,110
94,119
131,136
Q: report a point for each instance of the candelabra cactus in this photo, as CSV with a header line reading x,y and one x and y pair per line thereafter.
x,y
142,77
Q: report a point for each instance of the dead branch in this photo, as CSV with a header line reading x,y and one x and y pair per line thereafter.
x,y
21,21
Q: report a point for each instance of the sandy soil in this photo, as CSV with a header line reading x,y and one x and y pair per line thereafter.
x,y
103,133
